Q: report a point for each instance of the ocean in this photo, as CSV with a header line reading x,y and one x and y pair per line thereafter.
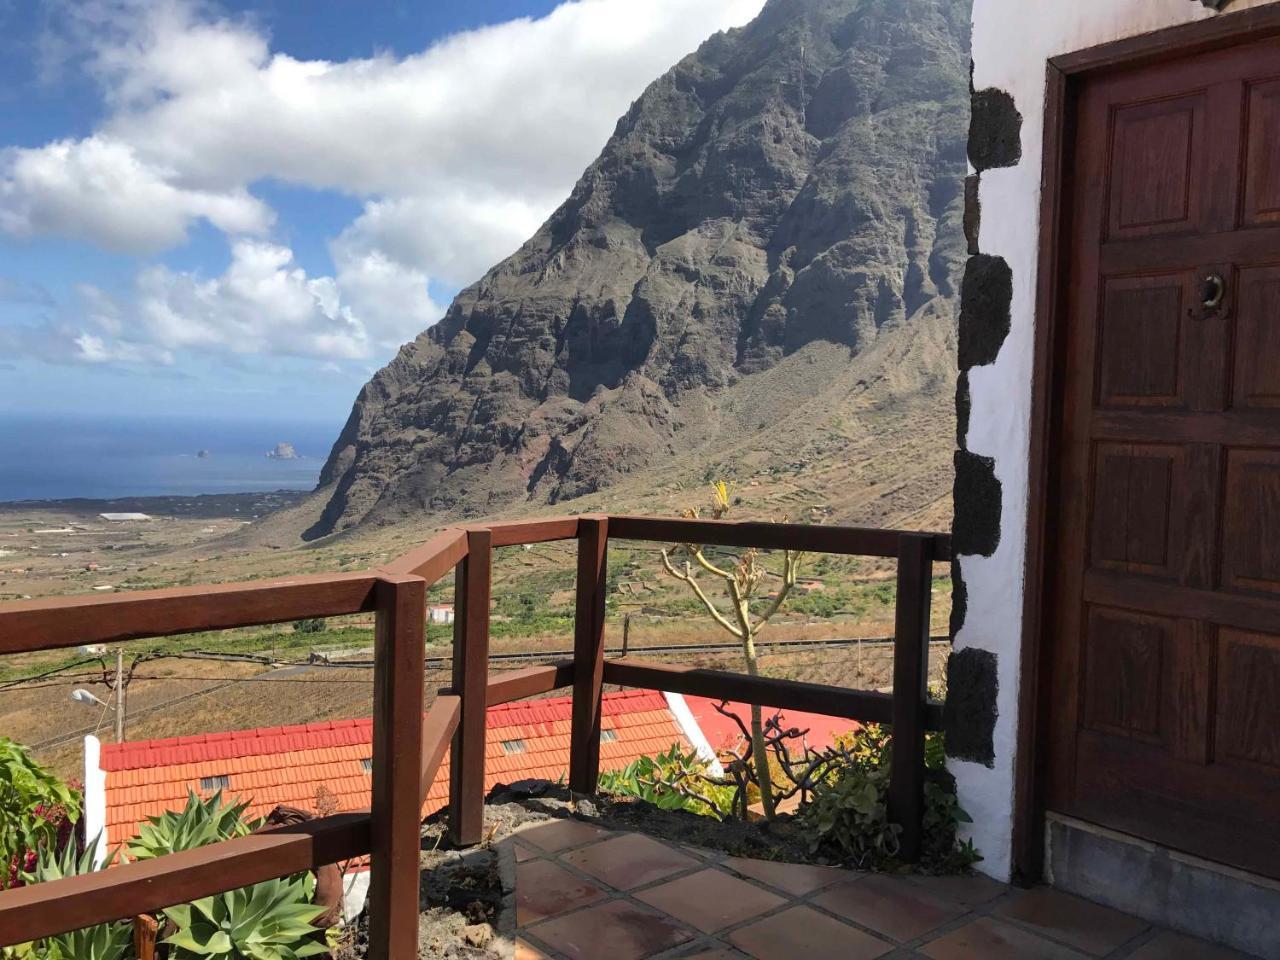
x,y
60,457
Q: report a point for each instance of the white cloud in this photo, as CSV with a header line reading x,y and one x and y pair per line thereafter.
x,y
263,303
98,190
458,153
474,232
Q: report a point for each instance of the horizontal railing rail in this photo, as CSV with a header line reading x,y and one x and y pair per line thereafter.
x,y
811,538
46,909
867,706
54,623
409,745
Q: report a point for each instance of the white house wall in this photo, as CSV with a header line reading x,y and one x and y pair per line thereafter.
x,y
1012,40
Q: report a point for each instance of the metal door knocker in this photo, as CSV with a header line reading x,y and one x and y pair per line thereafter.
x,y
1214,290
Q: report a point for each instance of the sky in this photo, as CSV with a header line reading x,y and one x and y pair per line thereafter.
x,y
228,209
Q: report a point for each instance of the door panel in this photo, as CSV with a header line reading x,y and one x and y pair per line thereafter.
x,y
1248,721
1251,526
1165,596
1158,158
1140,351
1257,366
1262,139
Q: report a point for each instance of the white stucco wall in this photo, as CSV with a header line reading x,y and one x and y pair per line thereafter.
x,y
95,798
1012,40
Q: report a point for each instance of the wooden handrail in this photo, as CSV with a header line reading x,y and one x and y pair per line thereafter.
x,y
59,906
811,538
529,682
514,533
438,727
433,559
57,622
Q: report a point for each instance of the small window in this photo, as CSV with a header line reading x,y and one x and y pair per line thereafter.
x,y
367,763
513,746
220,782
608,736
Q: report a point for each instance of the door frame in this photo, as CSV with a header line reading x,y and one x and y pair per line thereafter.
x,y
1064,76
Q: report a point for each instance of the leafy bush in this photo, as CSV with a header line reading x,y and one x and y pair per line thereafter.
x,y
106,941
848,811
674,780
310,625
36,810
268,921
201,822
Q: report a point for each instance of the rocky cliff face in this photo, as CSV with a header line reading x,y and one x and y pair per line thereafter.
x,y
798,180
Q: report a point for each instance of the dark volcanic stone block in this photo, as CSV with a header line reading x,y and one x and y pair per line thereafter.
x,y
976,527
995,130
986,298
964,403
972,212
959,598
969,716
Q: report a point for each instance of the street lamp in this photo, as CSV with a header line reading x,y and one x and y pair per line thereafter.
x,y
81,695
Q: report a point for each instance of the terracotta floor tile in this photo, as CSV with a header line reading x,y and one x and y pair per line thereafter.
x,y
710,900
797,879
617,930
526,951
805,934
545,889
524,853
561,834
970,891
889,905
1173,946
629,861
1087,926
987,939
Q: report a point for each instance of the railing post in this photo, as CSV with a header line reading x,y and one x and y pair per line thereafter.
x,y
397,761
588,654
910,688
470,681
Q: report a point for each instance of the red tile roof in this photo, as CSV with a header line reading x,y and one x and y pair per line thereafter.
x,y
273,765
723,734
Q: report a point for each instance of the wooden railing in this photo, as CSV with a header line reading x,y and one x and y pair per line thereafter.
x,y
409,747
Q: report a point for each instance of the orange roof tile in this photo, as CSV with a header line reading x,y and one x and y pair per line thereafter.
x,y
272,765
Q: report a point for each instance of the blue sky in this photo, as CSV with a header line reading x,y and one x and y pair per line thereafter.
x,y
225,208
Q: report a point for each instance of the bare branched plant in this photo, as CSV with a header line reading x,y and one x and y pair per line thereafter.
x,y
742,582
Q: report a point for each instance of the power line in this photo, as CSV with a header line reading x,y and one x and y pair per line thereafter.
x,y
53,672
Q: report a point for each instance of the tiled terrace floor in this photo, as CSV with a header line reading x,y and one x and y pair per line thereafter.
x,y
583,893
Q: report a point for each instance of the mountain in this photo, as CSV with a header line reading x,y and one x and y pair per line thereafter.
x,y
786,199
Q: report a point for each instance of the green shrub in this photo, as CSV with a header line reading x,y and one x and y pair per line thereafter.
x,y
847,813
310,625
674,780
106,941
35,809
201,822
268,921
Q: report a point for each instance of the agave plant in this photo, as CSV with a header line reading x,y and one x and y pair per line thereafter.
x,y
268,921
106,941
200,823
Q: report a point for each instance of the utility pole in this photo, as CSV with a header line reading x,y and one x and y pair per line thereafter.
x,y
120,696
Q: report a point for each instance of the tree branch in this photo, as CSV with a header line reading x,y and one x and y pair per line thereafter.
x,y
687,578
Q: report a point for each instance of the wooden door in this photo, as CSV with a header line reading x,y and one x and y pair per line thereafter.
x,y
1164,605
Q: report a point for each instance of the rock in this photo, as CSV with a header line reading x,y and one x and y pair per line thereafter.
x,y
283,451
799,180
478,934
